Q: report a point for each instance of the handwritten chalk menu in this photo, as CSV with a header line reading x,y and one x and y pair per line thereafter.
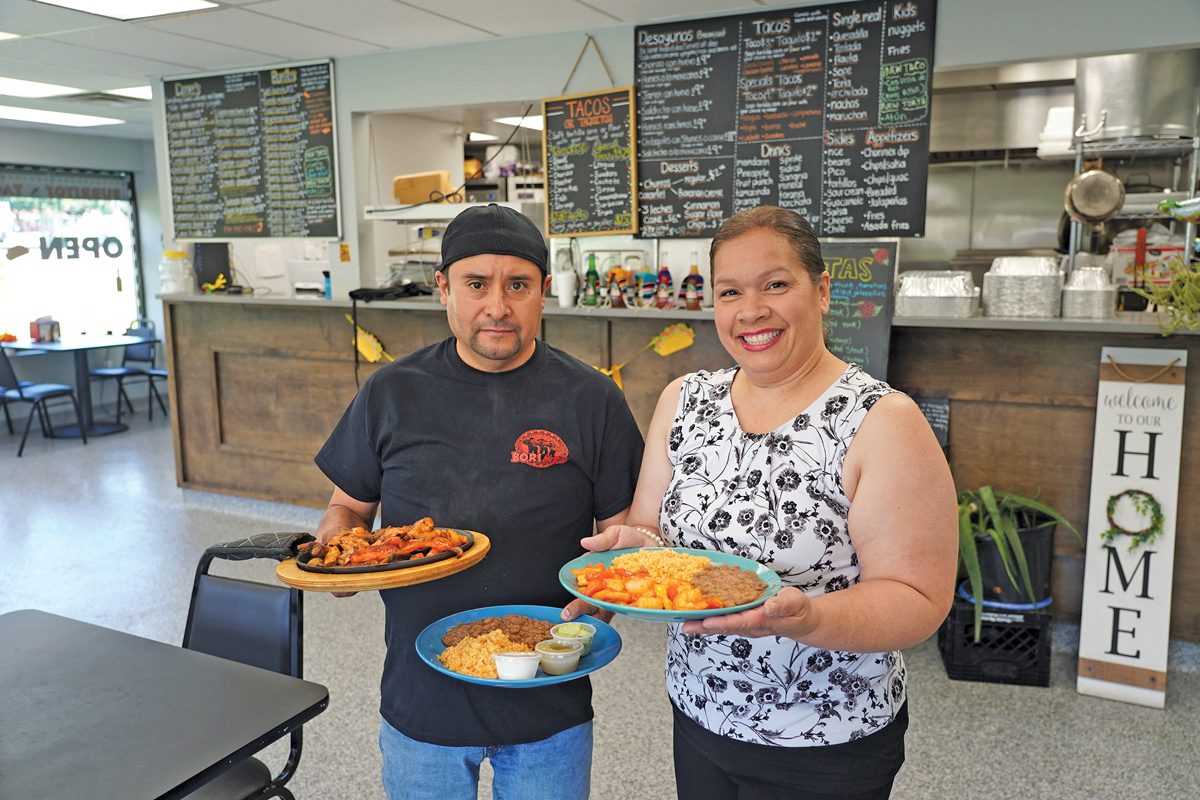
x,y
860,300
591,180
252,153
823,110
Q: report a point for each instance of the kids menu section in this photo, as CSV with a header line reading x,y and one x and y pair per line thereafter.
x,y
252,153
822,110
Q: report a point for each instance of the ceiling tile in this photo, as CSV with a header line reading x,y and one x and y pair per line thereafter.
x,y
30,19
167,47
641,12
525,18
238,28
88,79
380,22
55,53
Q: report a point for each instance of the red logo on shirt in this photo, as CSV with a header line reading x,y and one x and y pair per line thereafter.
x,y
539,448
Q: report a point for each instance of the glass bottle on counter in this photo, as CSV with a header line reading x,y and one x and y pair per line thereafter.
x,y
591,284
691,288
664,294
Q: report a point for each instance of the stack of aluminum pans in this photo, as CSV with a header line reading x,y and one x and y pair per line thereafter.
x,y
936,293
1023,287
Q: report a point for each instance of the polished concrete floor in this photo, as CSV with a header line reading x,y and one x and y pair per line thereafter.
x,y
101,533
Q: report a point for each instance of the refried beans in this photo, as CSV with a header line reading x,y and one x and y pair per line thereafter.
x,y
732,585
518,628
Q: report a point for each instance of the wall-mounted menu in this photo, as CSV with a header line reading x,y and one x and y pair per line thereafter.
x,y
822,110
861,275
253,153
588,147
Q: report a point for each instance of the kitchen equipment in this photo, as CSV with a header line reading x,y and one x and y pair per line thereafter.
x,y
1094,196
1137,95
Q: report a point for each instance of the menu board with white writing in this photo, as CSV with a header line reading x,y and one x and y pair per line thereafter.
x,y
822,110
591,179
253,153
861,275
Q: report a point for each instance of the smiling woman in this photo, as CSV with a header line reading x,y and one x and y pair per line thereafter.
x,y
79,263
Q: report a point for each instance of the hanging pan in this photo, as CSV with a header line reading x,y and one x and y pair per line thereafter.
x,y
1094,196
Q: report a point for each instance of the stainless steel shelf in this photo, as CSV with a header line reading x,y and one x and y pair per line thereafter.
x,y
1162,147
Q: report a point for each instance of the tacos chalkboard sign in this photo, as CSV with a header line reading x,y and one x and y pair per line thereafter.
x,y
591,179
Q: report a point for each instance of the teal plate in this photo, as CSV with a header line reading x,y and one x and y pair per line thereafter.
x,y
605,644
765,574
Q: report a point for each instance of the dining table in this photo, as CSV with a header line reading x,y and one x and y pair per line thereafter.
x,y
79,347
88,711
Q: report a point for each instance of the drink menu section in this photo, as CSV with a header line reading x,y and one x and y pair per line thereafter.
x,y
861,275
823,110
252,154
591,179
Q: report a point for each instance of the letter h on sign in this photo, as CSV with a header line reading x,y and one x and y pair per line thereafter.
x,y
1122,451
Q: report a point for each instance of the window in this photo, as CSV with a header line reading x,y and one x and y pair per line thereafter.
x,y
67,250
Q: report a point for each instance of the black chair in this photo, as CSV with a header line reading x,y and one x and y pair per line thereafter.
x,y
13,390
136,362
257,624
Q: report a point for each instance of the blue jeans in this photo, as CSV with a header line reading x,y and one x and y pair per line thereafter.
x,y
558,768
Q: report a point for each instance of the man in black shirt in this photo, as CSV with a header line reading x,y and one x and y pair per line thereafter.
x,y
494,431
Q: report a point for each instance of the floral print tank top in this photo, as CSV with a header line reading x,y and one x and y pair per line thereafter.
x,y
776,498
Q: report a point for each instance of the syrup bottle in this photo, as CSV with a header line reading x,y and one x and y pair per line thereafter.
x,y
691,289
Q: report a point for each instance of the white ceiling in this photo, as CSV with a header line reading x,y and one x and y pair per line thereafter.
x,y
97,54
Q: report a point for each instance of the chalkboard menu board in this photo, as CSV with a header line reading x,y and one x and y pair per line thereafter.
x,y
253,153
588,147
860,301
821,110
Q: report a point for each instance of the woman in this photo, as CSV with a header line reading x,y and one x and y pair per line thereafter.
x,y
835,481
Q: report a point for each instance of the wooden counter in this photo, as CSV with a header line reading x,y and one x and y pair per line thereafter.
x,y
257,385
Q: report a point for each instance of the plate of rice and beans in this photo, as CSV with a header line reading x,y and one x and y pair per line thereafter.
x,y
462,645
669,584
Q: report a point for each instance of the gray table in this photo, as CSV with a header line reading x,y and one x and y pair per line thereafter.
x,y
87,711
79,346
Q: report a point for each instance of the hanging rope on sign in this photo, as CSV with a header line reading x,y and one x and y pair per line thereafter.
x,y
592,42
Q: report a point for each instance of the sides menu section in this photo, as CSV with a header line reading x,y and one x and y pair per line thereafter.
x,y
252,153
823,110
591,183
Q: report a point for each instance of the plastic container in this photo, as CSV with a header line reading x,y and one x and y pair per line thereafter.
x,y
559,658
175,273
515,665
1013,647
570,632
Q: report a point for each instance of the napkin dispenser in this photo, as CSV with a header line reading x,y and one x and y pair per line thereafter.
x,y
44,329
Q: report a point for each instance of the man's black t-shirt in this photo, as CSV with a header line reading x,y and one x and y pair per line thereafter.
x,y
529,457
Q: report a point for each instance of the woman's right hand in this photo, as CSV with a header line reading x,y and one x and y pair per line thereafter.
x,y
616,537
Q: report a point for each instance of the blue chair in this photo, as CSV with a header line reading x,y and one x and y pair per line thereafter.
x,y
13,390
136,362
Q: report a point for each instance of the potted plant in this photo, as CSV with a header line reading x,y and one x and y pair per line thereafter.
x,y
1006,545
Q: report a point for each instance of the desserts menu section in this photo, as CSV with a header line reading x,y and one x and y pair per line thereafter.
x,y
590,175
252,153
823,110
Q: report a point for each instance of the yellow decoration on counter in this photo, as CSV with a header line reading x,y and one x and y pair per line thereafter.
x,y
215,286
672,339
368,345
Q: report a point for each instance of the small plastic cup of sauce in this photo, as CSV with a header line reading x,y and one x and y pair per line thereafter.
x,y
559,658
580,632
516,665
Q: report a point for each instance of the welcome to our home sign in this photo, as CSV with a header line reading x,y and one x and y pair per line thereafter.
x,y
1130,553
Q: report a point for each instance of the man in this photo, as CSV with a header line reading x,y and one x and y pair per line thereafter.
x,y
493,431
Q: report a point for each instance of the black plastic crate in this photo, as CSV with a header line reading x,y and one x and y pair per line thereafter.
x,y
1013,646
